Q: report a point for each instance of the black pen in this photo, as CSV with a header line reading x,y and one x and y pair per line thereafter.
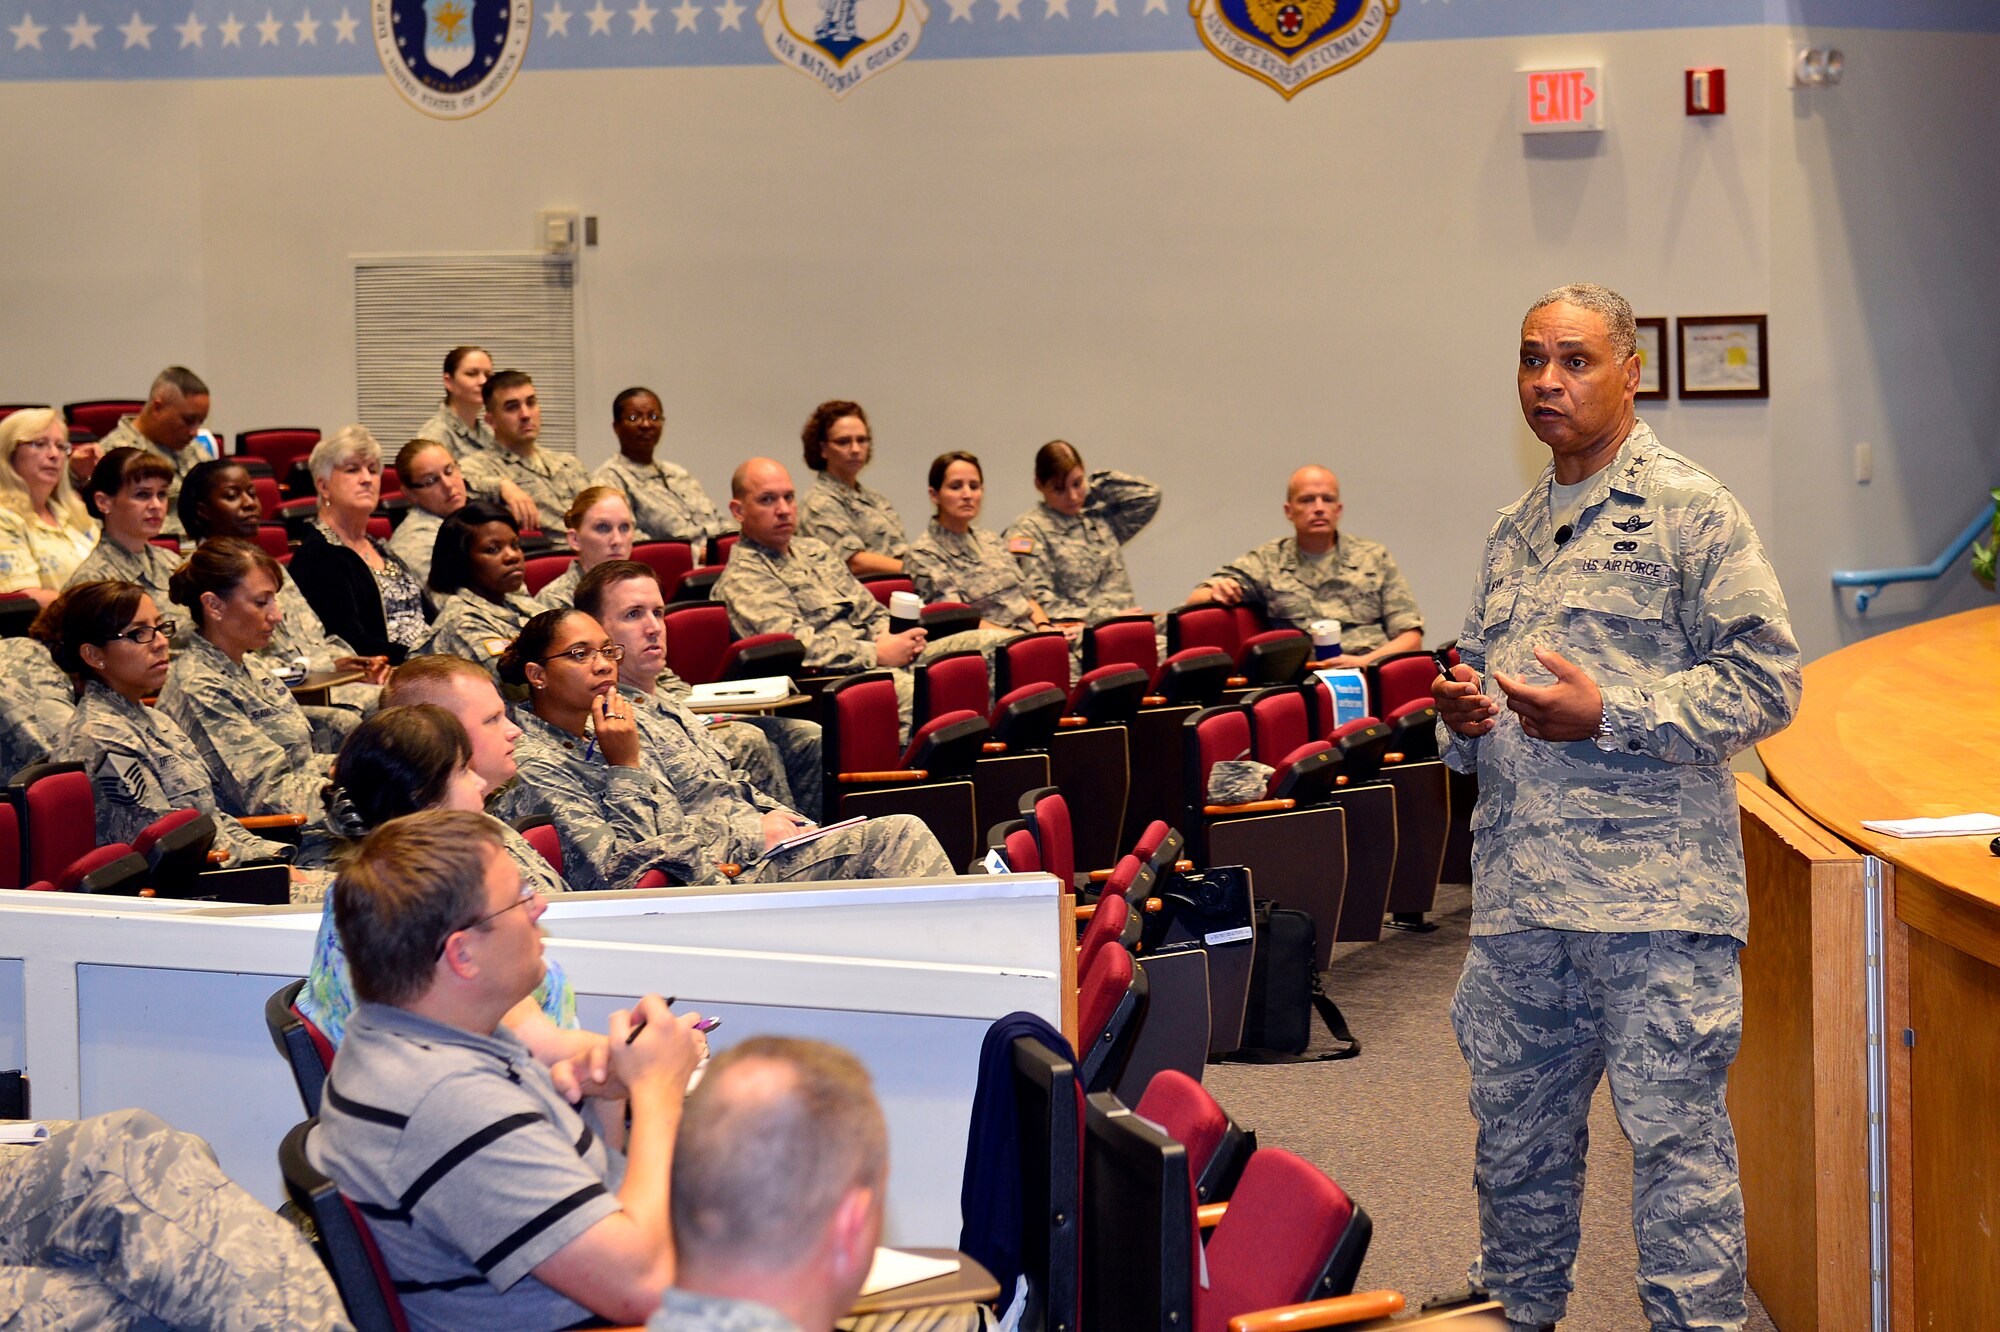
x,y
704,1026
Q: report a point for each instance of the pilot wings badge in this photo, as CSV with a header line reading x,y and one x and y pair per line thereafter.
x,y
1292,44
842,43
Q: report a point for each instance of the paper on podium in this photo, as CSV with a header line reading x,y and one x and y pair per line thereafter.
x,y
893,1268
743,693
1955,825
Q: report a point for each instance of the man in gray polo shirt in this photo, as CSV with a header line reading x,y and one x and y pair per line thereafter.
x,y
494,1202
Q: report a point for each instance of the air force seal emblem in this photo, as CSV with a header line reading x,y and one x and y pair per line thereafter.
x,y
842,43
1292,44
451,58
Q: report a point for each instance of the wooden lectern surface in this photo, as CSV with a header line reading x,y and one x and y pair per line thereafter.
x,y
1907,725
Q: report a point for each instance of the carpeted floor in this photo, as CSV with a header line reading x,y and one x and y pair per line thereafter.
x,y
1392,1127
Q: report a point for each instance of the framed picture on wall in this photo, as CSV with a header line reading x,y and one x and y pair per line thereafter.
x,y
1653,360
1724,356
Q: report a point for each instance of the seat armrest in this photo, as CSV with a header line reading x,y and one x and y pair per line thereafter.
x,y
1321,1313
1250,807
887,775
255,821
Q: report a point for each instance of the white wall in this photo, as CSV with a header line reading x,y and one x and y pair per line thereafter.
x,y
1149,255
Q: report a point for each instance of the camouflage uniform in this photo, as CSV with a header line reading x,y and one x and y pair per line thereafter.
x,y
1073,567
302,635
121,1222
681,812
445,428
145,767
553,480
1608,896
974,568
253,735
668,504
150,569
33,554
470,626
125,435
413,541
851,519
779,756
1356,583
809,593
36,703
684,1311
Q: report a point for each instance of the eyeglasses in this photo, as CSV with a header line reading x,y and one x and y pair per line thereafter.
x,y
583,652
60,446
447,471
641,418
142,634
527,896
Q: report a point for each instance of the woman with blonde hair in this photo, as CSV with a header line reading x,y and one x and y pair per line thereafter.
x,y
601,528
45,530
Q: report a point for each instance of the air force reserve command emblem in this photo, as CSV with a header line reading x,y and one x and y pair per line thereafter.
x,y
1291,44
451,58
842,43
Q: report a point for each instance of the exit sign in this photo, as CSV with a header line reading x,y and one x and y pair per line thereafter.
x,y
1553,101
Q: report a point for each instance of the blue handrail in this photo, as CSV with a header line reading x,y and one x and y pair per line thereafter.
x,y
1872,581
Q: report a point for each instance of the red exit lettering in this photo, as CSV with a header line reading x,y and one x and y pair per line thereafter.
x,y
1558,97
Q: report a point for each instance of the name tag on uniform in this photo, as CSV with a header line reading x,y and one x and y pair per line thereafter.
x,y
1020,545
1651,571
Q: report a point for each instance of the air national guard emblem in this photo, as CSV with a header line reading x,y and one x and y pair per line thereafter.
x,y
451,58
1291,44
842,43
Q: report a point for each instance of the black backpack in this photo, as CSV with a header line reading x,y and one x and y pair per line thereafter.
x,y
1285,994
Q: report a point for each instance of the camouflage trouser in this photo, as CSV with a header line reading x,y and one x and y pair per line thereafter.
x,y
889,846
1540,1015
122,1222
779,755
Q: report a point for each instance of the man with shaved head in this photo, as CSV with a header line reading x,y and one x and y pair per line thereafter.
x,y
1318,574
169,427
780,583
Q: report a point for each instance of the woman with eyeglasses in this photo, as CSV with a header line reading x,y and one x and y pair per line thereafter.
x,y
355,582
400,761
254,738
667,502
600,529
436,489
858,523
634,789
45,532
111,639
476,570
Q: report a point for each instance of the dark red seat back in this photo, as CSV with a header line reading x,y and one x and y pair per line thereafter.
x,y
1032,659
1047,814
697,640
1215,734
1122,640
269,497
1023,856
948,744
671,560
541,570
884,586
58,809
100,415
1098,993
274,540
89,863
1282,722
719,547
1207,626
543,835
862,715
1106,924
1401,680
160,827
281,446
955,682
1187,1113
1290,1235
10,845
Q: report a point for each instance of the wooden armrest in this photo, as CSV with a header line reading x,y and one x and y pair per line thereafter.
x,y
891,775
994,747
217,856
728,870
1071,723
1236,682
1086,911
1209,1215
1153,700
1342,780
1155,905
1250,807
1321,1313
1394,756
1099,876
273,820
1184,866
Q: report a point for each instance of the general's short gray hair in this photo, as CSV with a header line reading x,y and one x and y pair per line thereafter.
x,y
343,446
181,380
1615,309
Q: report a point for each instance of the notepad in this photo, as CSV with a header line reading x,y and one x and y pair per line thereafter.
x,y
743,693
814,834
22,1133
894,1267
1954,825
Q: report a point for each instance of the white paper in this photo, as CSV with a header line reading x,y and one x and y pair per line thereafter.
x,y
1955,825
744,693
894,1267
22,1132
